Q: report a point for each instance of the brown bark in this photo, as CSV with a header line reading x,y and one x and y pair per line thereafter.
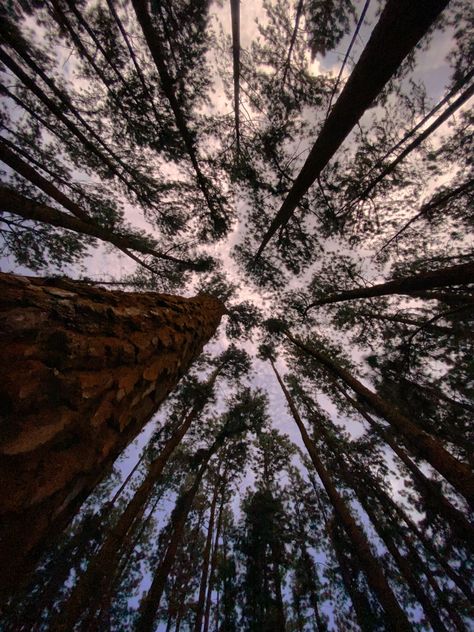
x,y
83,369
395,616
457,473
461,274
102,568
15,203
401,25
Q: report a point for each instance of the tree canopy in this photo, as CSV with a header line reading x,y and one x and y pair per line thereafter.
x,y
310,165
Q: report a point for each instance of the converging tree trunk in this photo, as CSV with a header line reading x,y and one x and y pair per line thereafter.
x,y
395,617
462,274
400,27
83,369
459,474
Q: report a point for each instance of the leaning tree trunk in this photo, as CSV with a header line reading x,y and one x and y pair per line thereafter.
x,y
459,474
395,616
461,274
83,369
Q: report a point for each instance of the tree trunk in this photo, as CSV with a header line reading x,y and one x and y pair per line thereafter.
x,y
235,16
205,561
402,563
362,608
15,203
212,570
465,96
395,616
167,85
461,274
430,491
457,473
102,568
151,602
400,27
83,369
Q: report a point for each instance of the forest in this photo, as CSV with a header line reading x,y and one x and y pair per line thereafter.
x,y
236,315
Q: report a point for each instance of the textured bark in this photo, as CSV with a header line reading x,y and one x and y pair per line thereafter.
x,y
396,618
401,25
462,274
459,474
83,369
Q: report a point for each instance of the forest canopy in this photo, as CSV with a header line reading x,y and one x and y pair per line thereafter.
x,y
304,170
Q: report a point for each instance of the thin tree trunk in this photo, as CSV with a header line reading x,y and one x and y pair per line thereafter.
x,y
72,127
400,27
151,602
235,16
102,568
153,42
212,571
133,57
402,563
449,331
461,100
428,546
430,491
205,560
457,473
436,203
395,616
461,274
363,609
82,370
280,610
17,204
299,11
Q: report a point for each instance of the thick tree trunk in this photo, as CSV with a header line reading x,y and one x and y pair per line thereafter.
x,y
462,274
83,369
457,473
396,618
400,27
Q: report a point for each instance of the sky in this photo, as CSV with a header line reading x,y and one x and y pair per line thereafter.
x,y
105,263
